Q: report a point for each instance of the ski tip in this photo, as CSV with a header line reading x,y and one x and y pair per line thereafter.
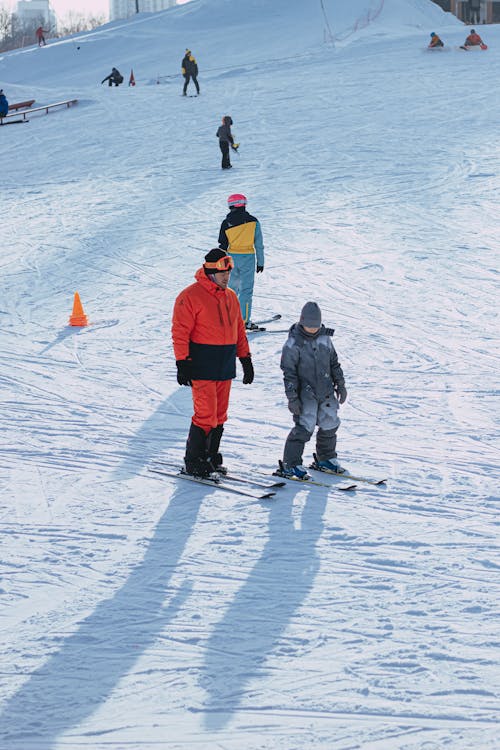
x,y
268,495
347,488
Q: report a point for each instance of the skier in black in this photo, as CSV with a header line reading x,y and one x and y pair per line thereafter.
x,y
115,77
225,140
189,70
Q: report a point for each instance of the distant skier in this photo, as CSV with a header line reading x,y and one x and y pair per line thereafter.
x,y
189,70
314,387
241,236
474,40
435,41
208,334
40,35
4,104
115,77
226,140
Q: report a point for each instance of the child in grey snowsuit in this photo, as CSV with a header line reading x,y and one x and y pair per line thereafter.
x,y
314,387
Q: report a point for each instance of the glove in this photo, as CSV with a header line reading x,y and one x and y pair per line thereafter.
x,y
260,269
340,392
295,406
184,369
235,146
248,373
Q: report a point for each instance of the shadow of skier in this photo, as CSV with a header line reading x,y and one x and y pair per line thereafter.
x,y
81,675
252,627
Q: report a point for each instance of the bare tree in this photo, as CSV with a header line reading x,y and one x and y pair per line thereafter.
x,y
73,22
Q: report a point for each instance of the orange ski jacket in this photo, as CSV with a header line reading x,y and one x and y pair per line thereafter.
x,y
473,40
208,329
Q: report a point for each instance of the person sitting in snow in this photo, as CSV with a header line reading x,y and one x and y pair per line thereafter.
x,y
314,386
4,104
115,77
473,40
435,41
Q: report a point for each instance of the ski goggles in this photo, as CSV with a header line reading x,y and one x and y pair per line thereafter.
x,y
216,266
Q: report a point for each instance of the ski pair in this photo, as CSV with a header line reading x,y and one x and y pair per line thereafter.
x,y
308,480
231,483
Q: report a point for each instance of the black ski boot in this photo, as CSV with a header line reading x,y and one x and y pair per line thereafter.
x,y
214,457
196,458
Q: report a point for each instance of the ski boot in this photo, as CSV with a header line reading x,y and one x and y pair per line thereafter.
x,y
251,326
329,465
292,472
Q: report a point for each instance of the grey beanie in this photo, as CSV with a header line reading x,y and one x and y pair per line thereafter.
x,y
310,317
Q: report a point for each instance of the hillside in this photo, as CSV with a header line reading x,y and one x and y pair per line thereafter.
x,y
139,611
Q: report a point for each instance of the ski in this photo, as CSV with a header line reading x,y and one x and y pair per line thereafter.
x,y
255,329
339,487
212,481
267,320
346,474
254,482
231,477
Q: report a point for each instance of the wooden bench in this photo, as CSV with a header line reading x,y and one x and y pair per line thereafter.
x,y
45,108
22,105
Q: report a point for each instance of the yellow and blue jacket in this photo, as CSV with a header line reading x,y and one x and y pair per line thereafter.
x,y
240,234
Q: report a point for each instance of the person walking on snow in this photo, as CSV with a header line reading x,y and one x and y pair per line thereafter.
x,y
314,386
208,334
189,69
4,104
435,41
40,35
115,77
226,140
241,236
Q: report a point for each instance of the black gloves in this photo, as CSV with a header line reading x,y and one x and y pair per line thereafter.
x,y
340,392
295,406
260,269
184,369
248,374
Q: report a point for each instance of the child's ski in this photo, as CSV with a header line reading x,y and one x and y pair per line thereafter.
x,y
345,474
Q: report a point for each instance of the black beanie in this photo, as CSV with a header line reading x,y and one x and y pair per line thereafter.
x,y
214,255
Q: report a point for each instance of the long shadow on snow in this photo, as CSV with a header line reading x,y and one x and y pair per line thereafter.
x,y
80,676
254,624
158,434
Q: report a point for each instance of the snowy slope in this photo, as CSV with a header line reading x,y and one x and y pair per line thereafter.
x,y
139,613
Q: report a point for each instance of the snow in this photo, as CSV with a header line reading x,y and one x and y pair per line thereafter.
x,y
141,612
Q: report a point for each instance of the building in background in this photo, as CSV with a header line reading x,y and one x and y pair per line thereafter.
x,y
489,12
36,12
127,8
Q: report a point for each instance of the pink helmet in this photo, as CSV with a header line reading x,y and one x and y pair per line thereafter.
x,y
236,200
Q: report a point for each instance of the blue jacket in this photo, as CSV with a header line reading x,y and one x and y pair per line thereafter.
x,y
4,105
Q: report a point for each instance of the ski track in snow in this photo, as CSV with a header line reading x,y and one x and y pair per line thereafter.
x,y
142,613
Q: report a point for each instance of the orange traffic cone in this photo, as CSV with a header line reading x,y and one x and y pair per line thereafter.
x,y
131,81
78,317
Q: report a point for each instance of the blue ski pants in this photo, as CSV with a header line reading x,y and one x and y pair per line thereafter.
x,y
241,281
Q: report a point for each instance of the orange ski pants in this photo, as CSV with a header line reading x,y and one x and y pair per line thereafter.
x,y
210,403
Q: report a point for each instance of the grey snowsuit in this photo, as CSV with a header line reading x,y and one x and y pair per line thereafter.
x,y
311,371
